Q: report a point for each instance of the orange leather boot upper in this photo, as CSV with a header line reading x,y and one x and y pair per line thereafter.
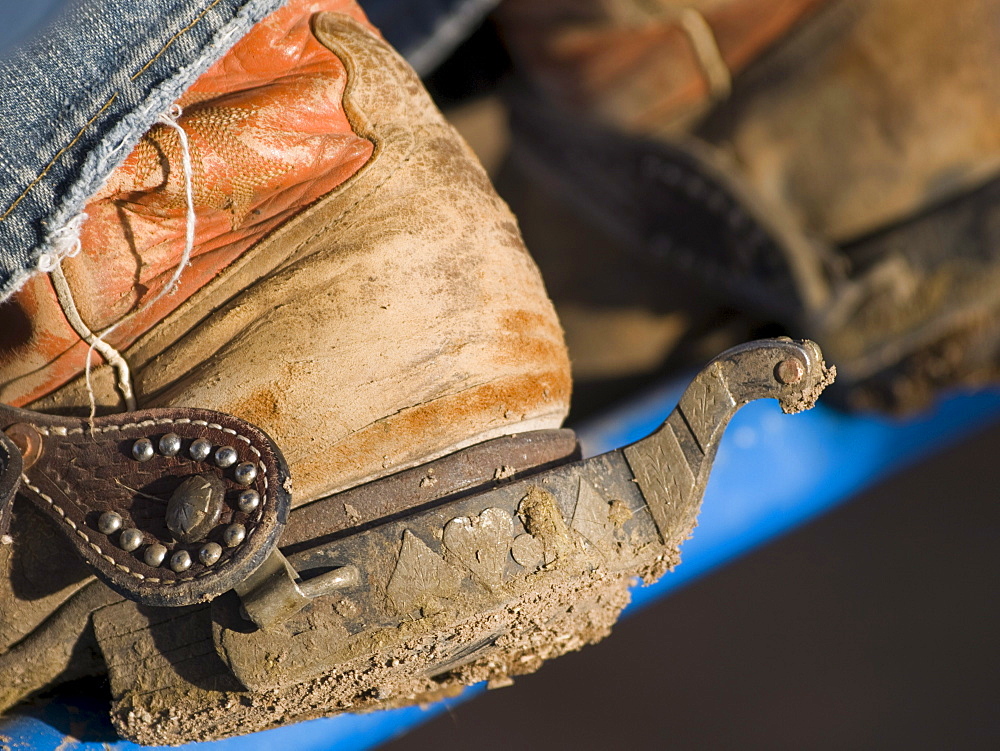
x,y
267,134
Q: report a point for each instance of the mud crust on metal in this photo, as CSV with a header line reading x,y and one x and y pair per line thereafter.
x,y
482,586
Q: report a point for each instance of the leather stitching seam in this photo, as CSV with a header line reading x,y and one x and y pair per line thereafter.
x,y
147,423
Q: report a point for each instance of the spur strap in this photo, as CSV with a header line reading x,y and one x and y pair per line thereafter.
x,y
168,506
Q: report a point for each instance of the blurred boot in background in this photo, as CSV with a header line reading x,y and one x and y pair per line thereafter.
x,y
813,167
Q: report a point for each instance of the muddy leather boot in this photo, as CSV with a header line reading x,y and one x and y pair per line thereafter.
x,y
238,616
325,472
356,289
825,168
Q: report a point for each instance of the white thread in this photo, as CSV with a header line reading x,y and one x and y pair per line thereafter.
x,y
121,145
170,120
66,242
702,37
114,358
6,540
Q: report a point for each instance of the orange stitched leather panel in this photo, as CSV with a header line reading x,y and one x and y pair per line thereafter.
x,y
268,135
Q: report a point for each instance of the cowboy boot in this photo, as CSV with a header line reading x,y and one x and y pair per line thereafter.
x,y
342,335
211,598
354,287
841,185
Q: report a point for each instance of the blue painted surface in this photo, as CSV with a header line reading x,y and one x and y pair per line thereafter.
x,y
55,726
773,472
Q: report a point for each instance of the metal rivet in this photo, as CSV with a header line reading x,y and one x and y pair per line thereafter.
x,y
109,522
142,450
200,450
234,535
154,555
130,539
195,507
170,444
789,371
28,441
249,501
210,553
180,561
246,473
226,456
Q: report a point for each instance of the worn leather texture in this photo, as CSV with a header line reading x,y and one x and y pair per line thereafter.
x,y
876,112
10,480
81,471
394,320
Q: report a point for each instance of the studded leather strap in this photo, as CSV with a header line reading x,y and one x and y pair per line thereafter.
x,y
169,507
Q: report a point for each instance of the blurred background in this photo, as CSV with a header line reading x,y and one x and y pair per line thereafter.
x,y
872,627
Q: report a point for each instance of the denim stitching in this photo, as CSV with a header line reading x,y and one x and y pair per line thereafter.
x,y
55,159
101,111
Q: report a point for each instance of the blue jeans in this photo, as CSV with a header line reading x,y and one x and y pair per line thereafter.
x,y
78,95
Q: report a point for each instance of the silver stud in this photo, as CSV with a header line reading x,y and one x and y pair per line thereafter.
x,y
249,501
234,535
142,450
200,450
180,561
170,444
195,507
225,456
109,523
210,553
154,555
130,539
245,473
